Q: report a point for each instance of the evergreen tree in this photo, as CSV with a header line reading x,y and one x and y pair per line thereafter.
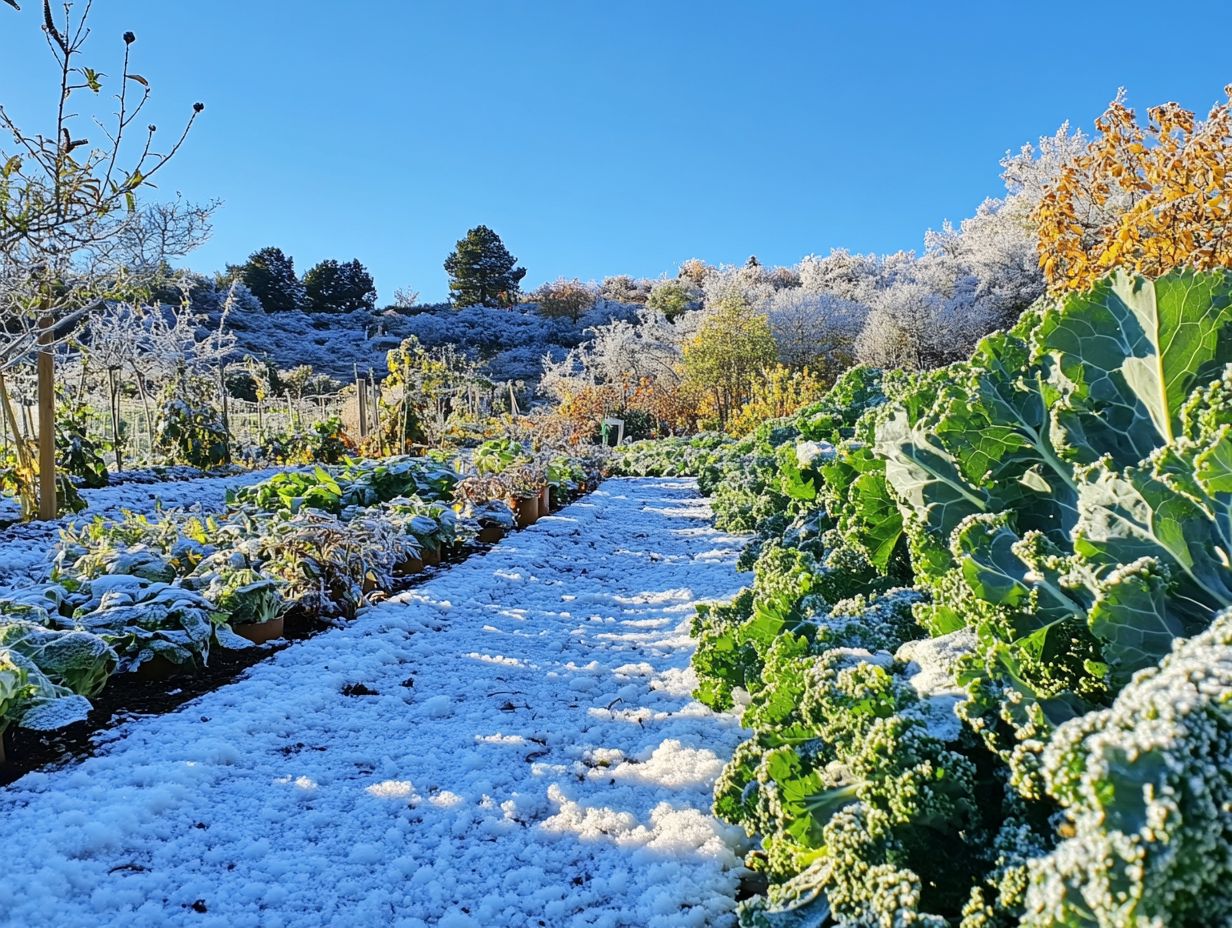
x,y
270,275
332,286
482,272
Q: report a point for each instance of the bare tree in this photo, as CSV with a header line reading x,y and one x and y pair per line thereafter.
x,y
67,209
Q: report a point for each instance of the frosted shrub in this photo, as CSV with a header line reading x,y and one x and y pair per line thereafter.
x,y
564,299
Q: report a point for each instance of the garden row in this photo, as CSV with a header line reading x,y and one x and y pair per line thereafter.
x,y
155,595
986,655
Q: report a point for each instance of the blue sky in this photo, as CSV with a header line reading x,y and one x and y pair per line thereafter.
x,y
615,137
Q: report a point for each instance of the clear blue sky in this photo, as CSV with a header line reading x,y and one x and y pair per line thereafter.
x,y
621,136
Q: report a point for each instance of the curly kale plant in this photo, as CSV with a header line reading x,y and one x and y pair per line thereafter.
x,y
1147,796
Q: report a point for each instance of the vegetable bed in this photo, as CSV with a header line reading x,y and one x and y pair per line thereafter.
x,y
987,650
155,596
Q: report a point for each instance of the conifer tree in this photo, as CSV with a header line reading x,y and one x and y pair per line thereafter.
x,y
333,286
270,275
482,272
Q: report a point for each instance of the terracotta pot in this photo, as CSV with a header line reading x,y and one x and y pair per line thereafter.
x,y
431,556
526,510
545,502
2,756
261,632
411,565
490,534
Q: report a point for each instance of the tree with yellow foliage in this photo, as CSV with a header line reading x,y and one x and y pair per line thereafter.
x,y
1144,198
729,355
780,394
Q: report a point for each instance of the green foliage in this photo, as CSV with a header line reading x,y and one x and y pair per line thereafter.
x,y
422,398
323,442
1060,493
1056,513
76,453
670,457
733,348
143,620
72,658
192,434
1146,792
29,698
497,455
673,298
482,272
356,483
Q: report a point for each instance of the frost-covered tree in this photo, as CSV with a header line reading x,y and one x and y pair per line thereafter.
x,y
843,274
338,286
270,275
65,209
161,230
482,272
406,298
621,288
925,322
814,330
622,352
694,272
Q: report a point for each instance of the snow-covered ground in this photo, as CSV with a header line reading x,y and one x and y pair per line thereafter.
x,y
26,550
510,744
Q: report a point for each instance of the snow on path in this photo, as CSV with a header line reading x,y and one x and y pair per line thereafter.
x,y
529,755
26,550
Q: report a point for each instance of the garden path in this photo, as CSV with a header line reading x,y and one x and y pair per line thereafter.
x,y
512,743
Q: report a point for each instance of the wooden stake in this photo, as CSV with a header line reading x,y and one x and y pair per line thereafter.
x,y
226,409
114,386
48,507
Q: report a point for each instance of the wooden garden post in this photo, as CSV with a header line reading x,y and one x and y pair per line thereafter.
x,y
47,421
226,409
114,388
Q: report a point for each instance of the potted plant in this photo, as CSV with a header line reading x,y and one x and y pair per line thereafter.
x,y
563,475
251,602
525,483
482,499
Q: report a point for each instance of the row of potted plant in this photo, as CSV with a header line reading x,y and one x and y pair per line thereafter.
x,y
155,595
